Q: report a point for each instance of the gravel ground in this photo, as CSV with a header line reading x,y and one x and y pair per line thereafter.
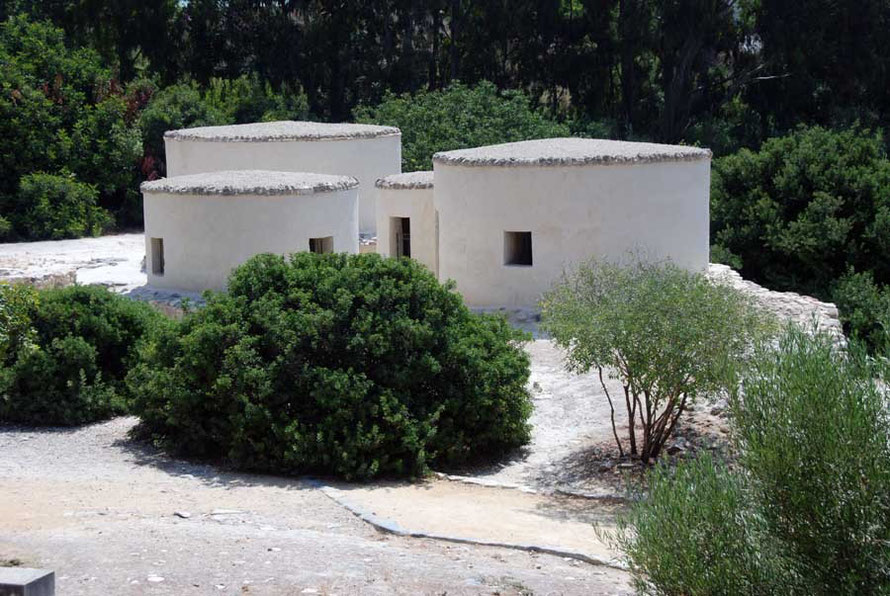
x,y
114,517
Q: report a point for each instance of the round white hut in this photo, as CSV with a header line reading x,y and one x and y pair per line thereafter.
x,y
363,151
406,218
199,227
512,217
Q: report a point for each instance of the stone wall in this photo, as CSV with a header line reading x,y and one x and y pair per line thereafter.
x,y
788,306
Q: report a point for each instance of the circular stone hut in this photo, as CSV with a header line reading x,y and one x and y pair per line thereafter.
x,y
363,151
512,217
199,227
406,218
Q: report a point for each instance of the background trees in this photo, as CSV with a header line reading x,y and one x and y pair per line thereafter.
x,y
76,97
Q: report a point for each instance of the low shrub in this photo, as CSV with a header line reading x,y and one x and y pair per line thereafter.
x,y
814,438
696,534
864,309
806,507
668,335
66,353
53,207
351,365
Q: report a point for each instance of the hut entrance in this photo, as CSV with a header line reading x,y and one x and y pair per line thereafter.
x,y
157,256
400,236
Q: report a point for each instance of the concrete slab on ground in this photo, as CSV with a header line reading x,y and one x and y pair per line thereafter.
x,y
464,512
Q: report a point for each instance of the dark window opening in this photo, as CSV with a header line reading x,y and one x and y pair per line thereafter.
x,y
322,245
400,228
157,256
518,248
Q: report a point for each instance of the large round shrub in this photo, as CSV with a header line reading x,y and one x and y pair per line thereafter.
x,y
65,353
351,365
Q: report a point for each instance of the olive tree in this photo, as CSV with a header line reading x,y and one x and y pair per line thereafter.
x,y
667,335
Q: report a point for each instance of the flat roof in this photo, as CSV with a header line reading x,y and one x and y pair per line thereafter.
x,y
250,182
407,180
570,151
283,130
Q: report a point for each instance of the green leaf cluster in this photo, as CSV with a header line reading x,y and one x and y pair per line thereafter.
x,y
805,509
458,117
351,365
64,353
668,335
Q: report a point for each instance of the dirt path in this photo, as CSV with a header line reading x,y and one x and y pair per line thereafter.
x,y
102,512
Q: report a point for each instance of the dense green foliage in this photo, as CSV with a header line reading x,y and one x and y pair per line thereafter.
x,y
805,510
804,211
65,353
223,101
346,364
668,335
50,207
60,111
695,534
459,117
727,72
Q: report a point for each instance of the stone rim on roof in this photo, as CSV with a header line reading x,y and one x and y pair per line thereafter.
x,y
570,151
407,180
250,182
282,130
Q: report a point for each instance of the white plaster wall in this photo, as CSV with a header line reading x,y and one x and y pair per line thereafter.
x,y
206,236
659,210
365,159
416,204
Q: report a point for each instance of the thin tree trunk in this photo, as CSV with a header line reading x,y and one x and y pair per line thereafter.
x,y
632,412
611,412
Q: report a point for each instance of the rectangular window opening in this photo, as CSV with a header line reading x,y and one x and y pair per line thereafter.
x,y
400,236
322,245
157,256
518,248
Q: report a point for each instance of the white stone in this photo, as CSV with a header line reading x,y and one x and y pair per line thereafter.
x,y
363,151
250,182
407,180
570,151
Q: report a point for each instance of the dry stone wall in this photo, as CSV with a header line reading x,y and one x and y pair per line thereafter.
x,y
787,306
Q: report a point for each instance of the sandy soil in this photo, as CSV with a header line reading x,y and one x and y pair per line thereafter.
x,y
102,511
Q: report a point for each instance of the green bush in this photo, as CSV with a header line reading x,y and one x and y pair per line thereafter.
x,y
805,208
174,107
224,101
806,507
814,438
105,151
696,534
17,301
864,309
66,361
61,112
51,207
668,335
351,365
248,99
458,117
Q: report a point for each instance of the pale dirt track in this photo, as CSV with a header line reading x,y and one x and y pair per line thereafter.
x,y
100,510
